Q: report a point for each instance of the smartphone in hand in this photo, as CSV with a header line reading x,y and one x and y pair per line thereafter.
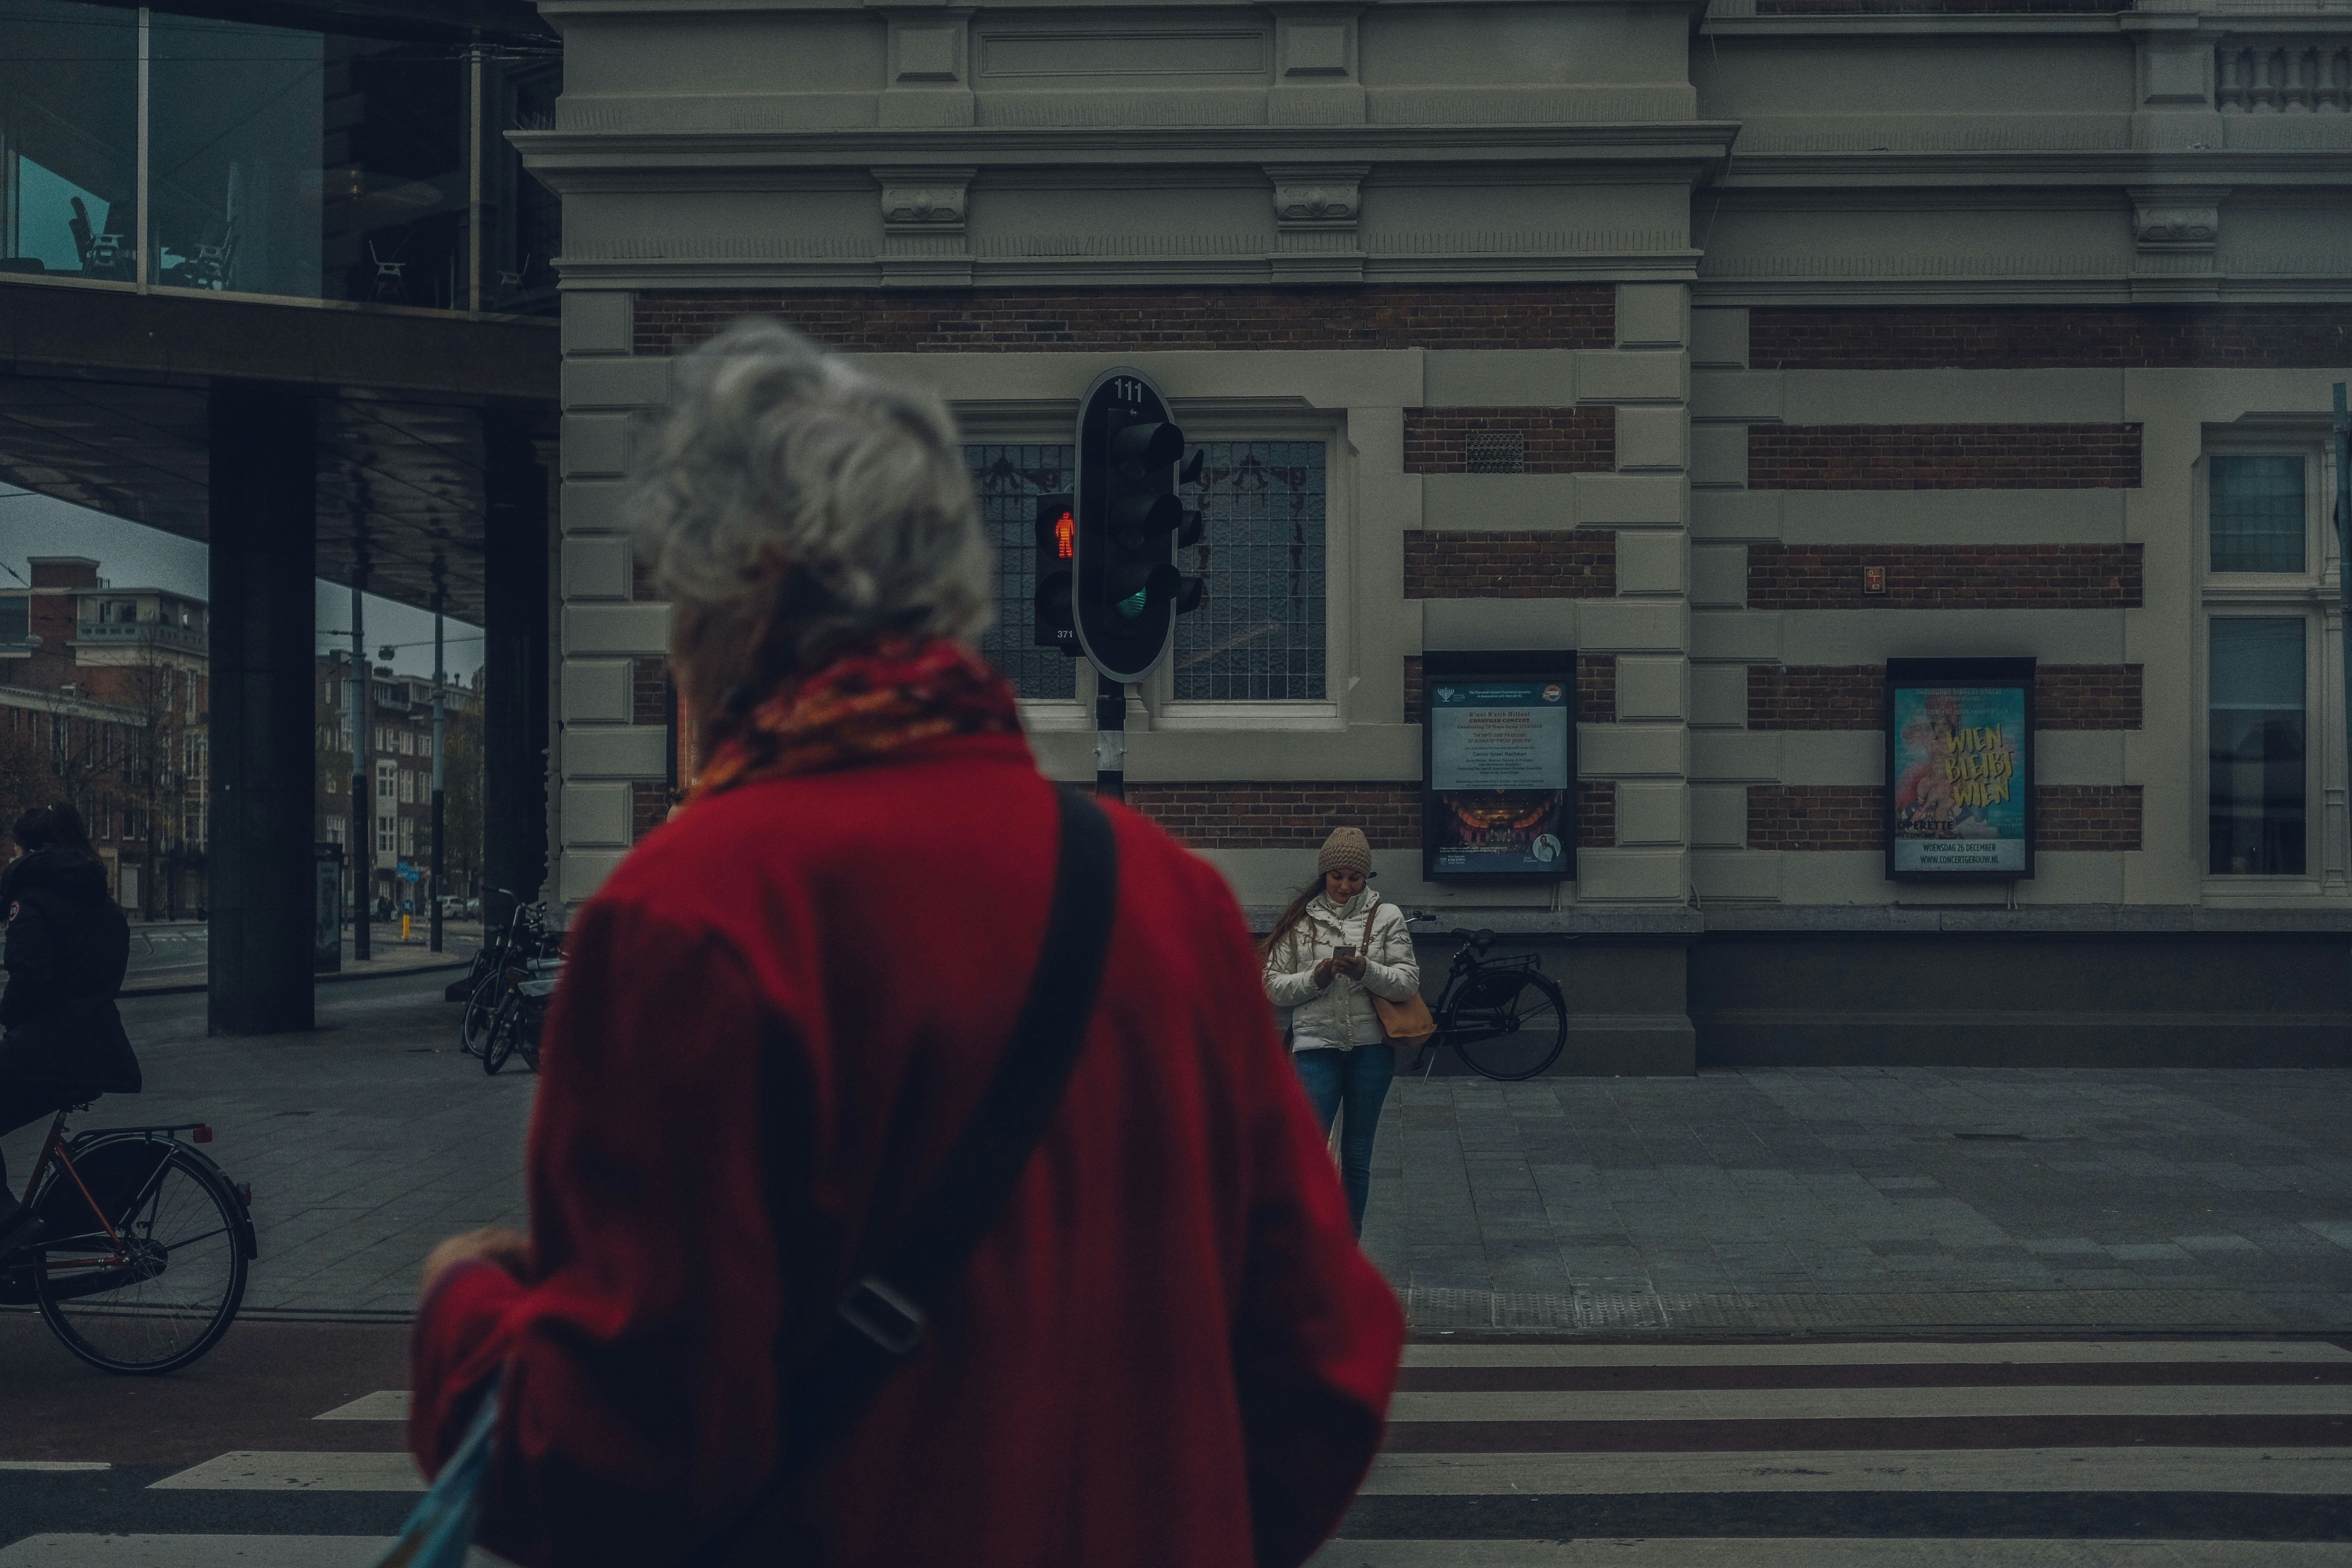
x,y
1348,952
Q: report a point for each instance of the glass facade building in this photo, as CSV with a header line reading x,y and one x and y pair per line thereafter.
x,y
148,149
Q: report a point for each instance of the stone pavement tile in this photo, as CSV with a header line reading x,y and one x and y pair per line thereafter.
x,y
2213,1244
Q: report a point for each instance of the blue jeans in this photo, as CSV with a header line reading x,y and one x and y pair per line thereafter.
x,y
1360,1079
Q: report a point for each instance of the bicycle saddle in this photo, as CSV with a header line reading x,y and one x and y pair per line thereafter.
x,y
1480,940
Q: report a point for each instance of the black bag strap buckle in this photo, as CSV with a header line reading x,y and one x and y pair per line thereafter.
x,y
882,1315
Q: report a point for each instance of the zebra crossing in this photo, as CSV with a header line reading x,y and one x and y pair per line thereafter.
x,y
1503,1453
1817,1454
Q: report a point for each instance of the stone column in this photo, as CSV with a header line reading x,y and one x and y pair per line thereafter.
x,y
262,521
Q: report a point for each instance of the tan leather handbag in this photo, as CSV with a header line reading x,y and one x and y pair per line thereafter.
x,y
1405,1022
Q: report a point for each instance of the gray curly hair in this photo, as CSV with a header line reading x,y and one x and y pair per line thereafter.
x,y
794,505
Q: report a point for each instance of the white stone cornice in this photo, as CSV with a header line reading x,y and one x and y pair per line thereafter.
x,y
573,161
2315,166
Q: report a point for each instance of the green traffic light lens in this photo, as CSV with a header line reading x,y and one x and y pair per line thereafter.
x,y
1132,606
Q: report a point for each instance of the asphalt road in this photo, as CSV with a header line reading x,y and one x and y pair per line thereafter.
x,y
260,1390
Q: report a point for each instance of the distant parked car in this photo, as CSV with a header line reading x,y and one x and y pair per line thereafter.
x,y
473,906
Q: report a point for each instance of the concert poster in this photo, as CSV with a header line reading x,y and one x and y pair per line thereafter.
x,y
1960,748
1500,751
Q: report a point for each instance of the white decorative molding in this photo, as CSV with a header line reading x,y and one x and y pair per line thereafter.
x,y
929,75
1316,210
923,214
1318,197
1315,65
924,201
2178,219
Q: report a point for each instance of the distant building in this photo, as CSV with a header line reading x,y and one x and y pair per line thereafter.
x,y
105,700
400,763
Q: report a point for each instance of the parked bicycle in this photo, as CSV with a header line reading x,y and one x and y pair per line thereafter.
x,y
143,1265
516,1024
524,938
1501,1015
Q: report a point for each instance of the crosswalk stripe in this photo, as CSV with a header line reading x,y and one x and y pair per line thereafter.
x,y
253,1471
1834,1551
1870,1404
196,1552
84,1551
53,1465
2316,1471
386,1404
1972,1353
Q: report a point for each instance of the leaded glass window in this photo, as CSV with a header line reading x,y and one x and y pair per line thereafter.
x,y
1260,636
1009,479
2258,514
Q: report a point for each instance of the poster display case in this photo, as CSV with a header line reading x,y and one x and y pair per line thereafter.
x,y
1498,766
1960,770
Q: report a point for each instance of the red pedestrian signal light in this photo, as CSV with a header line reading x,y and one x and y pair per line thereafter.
x,y
1052,624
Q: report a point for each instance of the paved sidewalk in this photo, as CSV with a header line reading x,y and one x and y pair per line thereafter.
x,y
1855,1197
168,959
1847,1199
366,1141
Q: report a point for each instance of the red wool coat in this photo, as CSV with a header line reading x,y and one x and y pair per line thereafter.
x,y
1168,1351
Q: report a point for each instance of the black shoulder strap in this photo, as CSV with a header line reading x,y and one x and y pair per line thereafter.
x,y
880,1318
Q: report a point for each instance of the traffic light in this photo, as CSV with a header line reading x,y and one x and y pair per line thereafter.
x,y
1057,554
1128,591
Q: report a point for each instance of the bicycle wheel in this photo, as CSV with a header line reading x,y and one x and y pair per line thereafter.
x,y
1507,1025
479,1002
505,1025
165,1289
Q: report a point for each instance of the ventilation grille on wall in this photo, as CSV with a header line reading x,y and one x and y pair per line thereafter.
x,y
1496,452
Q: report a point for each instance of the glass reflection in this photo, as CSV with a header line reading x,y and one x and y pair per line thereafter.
x,y
309,165
2255,784
69,141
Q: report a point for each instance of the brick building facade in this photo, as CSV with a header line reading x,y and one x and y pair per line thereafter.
x,y
105,701
2014,342
399,735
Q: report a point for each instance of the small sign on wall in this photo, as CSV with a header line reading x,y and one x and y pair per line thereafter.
x,y
1960,770
1498,766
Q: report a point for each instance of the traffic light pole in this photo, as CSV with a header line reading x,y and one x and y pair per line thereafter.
x,y
1110,740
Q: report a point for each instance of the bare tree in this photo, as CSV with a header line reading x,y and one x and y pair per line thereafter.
x,y
155,775
27,779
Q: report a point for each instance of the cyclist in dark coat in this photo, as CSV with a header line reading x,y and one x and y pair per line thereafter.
x,y
67,947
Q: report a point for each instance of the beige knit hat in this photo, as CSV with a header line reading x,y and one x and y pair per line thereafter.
x,y
1346,850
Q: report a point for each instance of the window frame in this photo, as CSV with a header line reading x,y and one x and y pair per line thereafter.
x,y
1054,423
2310,596
1225,422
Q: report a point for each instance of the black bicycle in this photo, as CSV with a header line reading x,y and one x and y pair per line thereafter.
x,y
142,1268
515,1026
524,938
1501,1015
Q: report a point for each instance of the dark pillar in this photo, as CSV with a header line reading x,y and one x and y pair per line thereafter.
x,y
263,520
514,715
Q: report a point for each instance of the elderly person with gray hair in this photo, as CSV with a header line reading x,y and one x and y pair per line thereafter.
x,y
780,1020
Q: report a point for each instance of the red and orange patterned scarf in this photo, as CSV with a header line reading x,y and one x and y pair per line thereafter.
x,y
870,701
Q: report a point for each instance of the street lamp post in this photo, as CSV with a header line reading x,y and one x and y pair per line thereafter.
x,y
2343,456
362,804
437,744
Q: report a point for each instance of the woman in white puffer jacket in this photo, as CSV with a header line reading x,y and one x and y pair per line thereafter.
x,y
1336,1040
